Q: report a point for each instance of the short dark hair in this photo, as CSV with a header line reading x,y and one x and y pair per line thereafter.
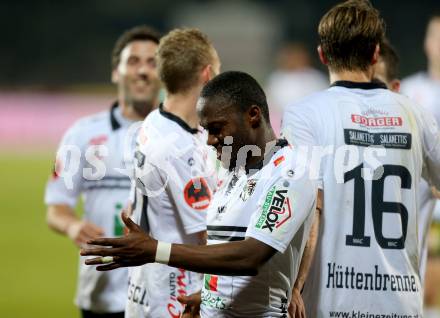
x,y
349,33
138,33
391,60
238,88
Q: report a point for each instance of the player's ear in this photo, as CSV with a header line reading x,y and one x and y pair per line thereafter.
x,y
376,55
254,116
321,55
115,76
207,74
395,85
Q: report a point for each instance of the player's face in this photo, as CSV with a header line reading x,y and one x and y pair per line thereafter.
x,y
223,122
136,74
432,43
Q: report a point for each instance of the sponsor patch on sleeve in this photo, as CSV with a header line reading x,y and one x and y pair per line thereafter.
x,y
197,194
276,209
278,160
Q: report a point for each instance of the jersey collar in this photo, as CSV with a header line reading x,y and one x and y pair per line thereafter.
x,y
362,85
177,120
280,143
113,121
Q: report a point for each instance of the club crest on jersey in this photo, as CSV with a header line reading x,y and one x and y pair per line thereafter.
x,y
248,189
276,209
197,194
140,157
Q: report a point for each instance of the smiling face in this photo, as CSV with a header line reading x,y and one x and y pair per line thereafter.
x,y
136,76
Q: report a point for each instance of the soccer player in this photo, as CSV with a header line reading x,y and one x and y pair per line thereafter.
x,y
373,146
174,178
259,218
424,88
96,144
386,69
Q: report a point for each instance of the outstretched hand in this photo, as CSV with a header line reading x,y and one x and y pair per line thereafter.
x,y
134,249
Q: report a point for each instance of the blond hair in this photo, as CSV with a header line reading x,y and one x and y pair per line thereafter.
x,y
181,55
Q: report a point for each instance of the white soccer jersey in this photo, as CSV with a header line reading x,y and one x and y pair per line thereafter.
x,y
426,92
174,185
89,158
273,205
378,144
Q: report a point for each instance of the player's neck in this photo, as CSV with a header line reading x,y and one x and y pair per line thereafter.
x,y
129,112
266,140
183,105
351,76
434,71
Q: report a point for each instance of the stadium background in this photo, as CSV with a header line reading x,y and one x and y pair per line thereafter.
x,y
55,67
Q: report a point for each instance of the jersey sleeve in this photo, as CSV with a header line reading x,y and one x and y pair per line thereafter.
x,y
431,149
284,205
180,171
300,127
64,186
190,190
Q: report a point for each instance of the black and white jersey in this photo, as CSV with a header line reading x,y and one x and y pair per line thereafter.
x,y
94,161
174,187
372,147
274,206
425,91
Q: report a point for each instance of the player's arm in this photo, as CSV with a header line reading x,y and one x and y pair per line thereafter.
x,y
310,248
431,149
63,190
296,306
137,248
245,257
62,219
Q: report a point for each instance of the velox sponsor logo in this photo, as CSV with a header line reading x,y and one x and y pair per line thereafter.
x,y
276,209
376,121
177,288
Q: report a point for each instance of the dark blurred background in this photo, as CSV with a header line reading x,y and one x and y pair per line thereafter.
x,y
53,44
55,68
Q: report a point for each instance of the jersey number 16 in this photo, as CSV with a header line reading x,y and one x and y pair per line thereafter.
x,y
378,207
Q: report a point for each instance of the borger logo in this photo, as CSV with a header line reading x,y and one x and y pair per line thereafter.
x,y
276,209
376,121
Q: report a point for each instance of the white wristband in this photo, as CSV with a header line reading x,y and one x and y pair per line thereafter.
x,y
163,252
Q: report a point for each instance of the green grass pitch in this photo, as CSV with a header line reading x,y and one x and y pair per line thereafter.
x,y
38,268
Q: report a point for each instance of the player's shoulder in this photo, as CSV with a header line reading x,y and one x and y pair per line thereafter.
x,y
311,106
162,138
287,164
416,78
89,127
414,82
166,130
91,122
